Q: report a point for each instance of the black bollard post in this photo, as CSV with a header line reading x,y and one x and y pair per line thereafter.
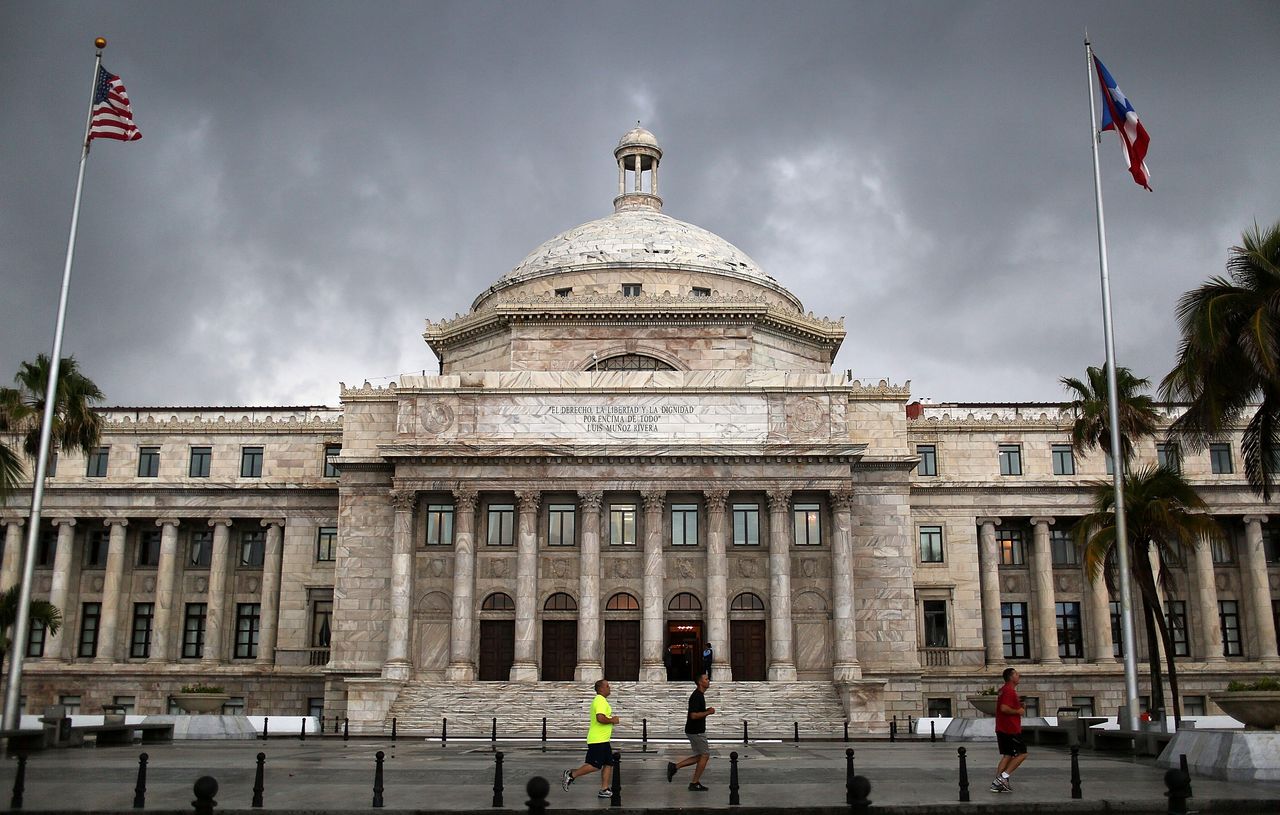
x,y
848,776
734,799
302,733
644,734
335,724
394,724
911,730
19,783
1179,791
538,787
444,731
1182,762
860,803
544,734
265,723
377,779
140,789
1075,773
893,729
497,779
320,719
205,788
933,731
964,776
346,728
846,730
796,730
259,779
616,801
493,733
744,731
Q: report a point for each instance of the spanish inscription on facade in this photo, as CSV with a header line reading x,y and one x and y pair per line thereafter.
x,y
741,417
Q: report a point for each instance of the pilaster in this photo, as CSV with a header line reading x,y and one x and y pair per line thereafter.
x,y
782,666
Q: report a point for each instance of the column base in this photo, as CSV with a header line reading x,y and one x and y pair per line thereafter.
x,y
1052,661
588,672
846,671
397,669
524,672
721,673
460,672
1271,660
782,672
653,672
1103,661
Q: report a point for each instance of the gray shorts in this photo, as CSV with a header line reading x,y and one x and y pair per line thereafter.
x,y
698,741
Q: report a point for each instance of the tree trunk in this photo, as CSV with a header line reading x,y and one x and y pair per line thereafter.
x,y
1152,599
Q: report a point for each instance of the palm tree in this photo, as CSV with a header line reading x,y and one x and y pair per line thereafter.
x,y
1229,360
1092,428
75,424
11,469
41,611
1162,512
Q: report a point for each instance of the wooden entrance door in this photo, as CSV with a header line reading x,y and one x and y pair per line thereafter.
x,y
622,650
497,649
559,650
683,651
746,647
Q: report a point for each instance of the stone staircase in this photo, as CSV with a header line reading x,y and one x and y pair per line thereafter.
x,y
770,708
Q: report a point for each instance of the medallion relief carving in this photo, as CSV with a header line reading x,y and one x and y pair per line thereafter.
x,y
621,569
436,567
437,417
202,584
805,415
97,584
747,567
148,584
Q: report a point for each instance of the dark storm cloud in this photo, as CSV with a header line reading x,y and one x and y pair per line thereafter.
x,y
315,179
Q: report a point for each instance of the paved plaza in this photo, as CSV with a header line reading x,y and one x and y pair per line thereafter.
x,y
329,774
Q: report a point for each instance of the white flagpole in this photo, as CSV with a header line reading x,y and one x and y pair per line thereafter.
x,y
21,633
1113,405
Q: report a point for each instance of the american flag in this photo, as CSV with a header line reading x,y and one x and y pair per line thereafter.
x,y
112,117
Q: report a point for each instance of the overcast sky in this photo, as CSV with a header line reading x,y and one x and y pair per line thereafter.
x,y
317,179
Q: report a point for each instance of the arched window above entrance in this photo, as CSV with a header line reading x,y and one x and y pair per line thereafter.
x,y
498,601
622,602
631,362
560,602
684,601
747,602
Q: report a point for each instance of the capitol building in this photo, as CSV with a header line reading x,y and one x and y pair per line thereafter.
x,y
635,445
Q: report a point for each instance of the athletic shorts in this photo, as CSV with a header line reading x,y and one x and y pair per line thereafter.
x,y
698,741
1011,744
599,755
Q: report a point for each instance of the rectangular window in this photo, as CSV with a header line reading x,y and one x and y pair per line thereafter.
x,y
1111,465
95,548
253,546
1275,619
439,524
128,705
1013,550
1229,619
90,614
1193,706
1010,459
1176,619
935,624
1117,629
1270,544
930,544
928,454
746,524
1063,548
808,524
622,524
247,620
71,703
565,292
148,462
1032,704
149,547
1221,549
1220,459
201,551
502,518
939,706
47,547
51,469
684,524
97,464
321,620
251,462
233,706
701,291
326,543
140,643
1167,455
631,289
1084,704
1013,626
193,631
315,707
331,452
1070,635
35,642
560,524
200,460
1064,462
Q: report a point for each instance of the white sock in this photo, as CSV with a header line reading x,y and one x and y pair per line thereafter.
x,y
1004,775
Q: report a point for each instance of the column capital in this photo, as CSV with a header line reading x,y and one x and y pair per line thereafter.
x,y
168,522
220,522
115,522
842,499
778,498
988,520
465,497
590,500
717,499
1254,519
63,521
528,500
18,522
1037,520
270,522
653,500
403,500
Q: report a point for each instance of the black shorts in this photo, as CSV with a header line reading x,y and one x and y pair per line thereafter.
x,y
599,755
1011,744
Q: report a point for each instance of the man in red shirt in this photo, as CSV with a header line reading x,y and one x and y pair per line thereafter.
x,y
1009,713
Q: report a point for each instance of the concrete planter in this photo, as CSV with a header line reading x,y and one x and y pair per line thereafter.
x,y
200,702
1258,709
984,704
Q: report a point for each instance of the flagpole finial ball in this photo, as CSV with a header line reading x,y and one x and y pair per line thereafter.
x,y
100,43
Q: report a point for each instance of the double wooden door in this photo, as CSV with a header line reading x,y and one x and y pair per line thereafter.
x,y
497,649
559,650
622,650
747,650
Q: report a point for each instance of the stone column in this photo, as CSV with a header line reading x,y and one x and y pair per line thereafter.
x,y
13,543
843,623
718,584
462,664
989,578
165,573
651,639
60,584
590,667
782,666
270,620
1254,563
398,664
1206,614
1098,612
1042,579
215,608
111,585
525,666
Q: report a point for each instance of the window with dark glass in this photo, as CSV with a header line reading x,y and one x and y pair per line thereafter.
x,y
502,519
1012,546
1229,620
95,548
97,463
326,543
253,547
1117,629
1032,705
928,454
1084,704
746,524
51,468
193,631
251,462
746,601
128,704
1193,706
201,457
808,524
149,547
559,601
1013,627
622,525
247,621
938,706
935,624
560,524
565,292
47,546
1010,459
1176,620
321,622
1167,455
331,453
622,602
1062,547
930,544
35,640
1220,459
701,291
631,289
1064,462
1070,634
1275,618
140,642
439,524
201,551
684,524
631,362
148,462
498,601
90,614
684,601
1270,544
1221,549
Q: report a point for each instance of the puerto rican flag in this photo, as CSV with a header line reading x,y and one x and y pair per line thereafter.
x,y
1116,109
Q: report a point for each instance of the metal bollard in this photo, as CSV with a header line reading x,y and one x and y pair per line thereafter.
x,y
1178,791
1182,762
205,788
335,724
493,733
377,779
964,776
538,788
444,731
140,789
893,729
848,776
346,728
544,734
616,801
644,734
497,779
302,733
860,802
259,781
1075,773
320,719
796,730
933,730
744,731
734,799
911,729
846,730
19,783
266,720
394,724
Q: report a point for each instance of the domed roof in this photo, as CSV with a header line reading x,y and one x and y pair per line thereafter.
x,y
638,136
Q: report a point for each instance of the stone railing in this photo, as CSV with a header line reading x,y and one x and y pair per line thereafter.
x,y
952,657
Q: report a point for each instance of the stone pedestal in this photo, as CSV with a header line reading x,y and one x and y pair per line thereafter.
x,y
1231,755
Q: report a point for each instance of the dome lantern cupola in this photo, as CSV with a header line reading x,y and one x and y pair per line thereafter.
x,y
638,155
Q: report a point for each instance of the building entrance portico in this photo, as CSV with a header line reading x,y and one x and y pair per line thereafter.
x,y
683,650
